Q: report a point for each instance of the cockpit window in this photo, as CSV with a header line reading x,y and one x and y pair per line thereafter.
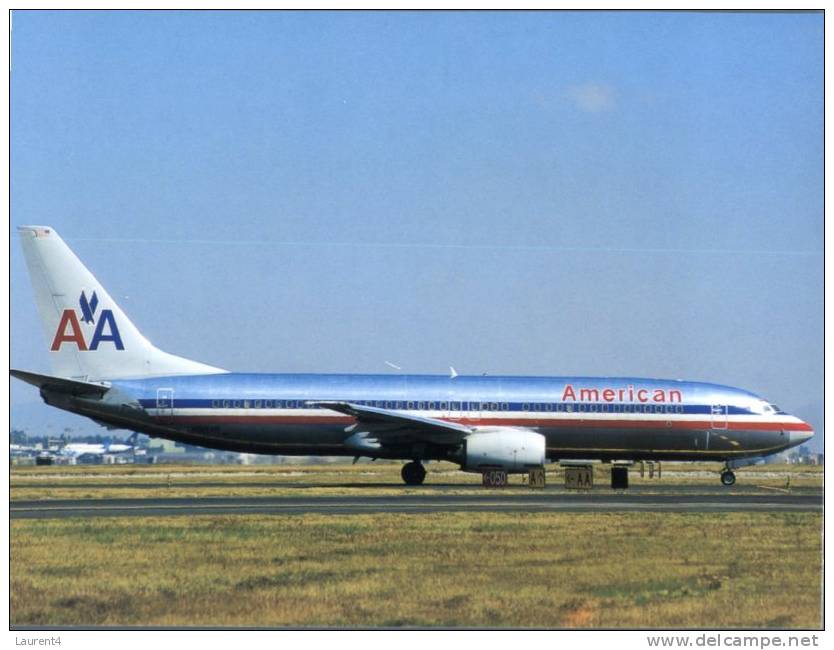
x,y
765,408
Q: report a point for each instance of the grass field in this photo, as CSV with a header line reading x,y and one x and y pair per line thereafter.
x,y
558,570
454,570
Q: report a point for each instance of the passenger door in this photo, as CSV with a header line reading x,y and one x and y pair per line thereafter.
x,y
164,401
718,416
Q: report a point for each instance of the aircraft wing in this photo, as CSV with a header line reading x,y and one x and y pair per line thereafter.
x,y
392,427
60,384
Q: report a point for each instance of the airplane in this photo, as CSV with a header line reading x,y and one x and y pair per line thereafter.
x,y
106,370
75,449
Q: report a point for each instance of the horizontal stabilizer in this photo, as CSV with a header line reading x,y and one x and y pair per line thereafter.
x,y
60,384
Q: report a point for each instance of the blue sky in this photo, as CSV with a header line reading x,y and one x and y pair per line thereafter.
x,y
511,193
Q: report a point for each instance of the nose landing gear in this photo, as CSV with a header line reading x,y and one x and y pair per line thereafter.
x,y
413,473
728,477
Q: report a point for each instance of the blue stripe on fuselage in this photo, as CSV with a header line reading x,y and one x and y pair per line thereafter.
x,y
446,405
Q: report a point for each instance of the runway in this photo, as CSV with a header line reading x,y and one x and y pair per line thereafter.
x,y
712,501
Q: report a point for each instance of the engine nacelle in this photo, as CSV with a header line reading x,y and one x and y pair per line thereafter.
x,y
507,449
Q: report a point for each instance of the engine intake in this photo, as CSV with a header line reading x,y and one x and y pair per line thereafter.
x,y
507,449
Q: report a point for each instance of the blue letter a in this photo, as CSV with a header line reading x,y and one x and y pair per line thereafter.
x,y
99,335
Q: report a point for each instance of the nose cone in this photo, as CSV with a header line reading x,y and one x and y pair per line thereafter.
x,y
802,433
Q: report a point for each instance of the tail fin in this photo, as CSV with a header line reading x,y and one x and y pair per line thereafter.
x,y
89,336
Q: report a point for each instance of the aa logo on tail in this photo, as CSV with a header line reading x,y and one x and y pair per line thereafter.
x,y
69,328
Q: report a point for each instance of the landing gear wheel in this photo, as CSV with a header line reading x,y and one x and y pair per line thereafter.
x,y
413,473
728,478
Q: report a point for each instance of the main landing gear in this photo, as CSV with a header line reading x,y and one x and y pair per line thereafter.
x,y
728,477
414,473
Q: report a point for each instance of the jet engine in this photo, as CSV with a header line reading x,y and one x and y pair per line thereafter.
x,y
508,449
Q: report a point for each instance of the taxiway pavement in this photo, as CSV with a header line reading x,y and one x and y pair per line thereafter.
x,y
700,500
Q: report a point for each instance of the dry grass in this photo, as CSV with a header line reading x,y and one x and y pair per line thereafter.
x,y
472,569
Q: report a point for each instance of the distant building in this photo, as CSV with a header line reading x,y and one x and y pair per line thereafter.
x,y
162,446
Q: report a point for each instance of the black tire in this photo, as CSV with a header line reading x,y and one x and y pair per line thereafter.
x,y
413,473
728,478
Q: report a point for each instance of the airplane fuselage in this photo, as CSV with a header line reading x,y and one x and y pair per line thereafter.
x,y
580,417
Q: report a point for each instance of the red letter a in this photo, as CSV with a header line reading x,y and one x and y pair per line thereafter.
x,y
68,318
